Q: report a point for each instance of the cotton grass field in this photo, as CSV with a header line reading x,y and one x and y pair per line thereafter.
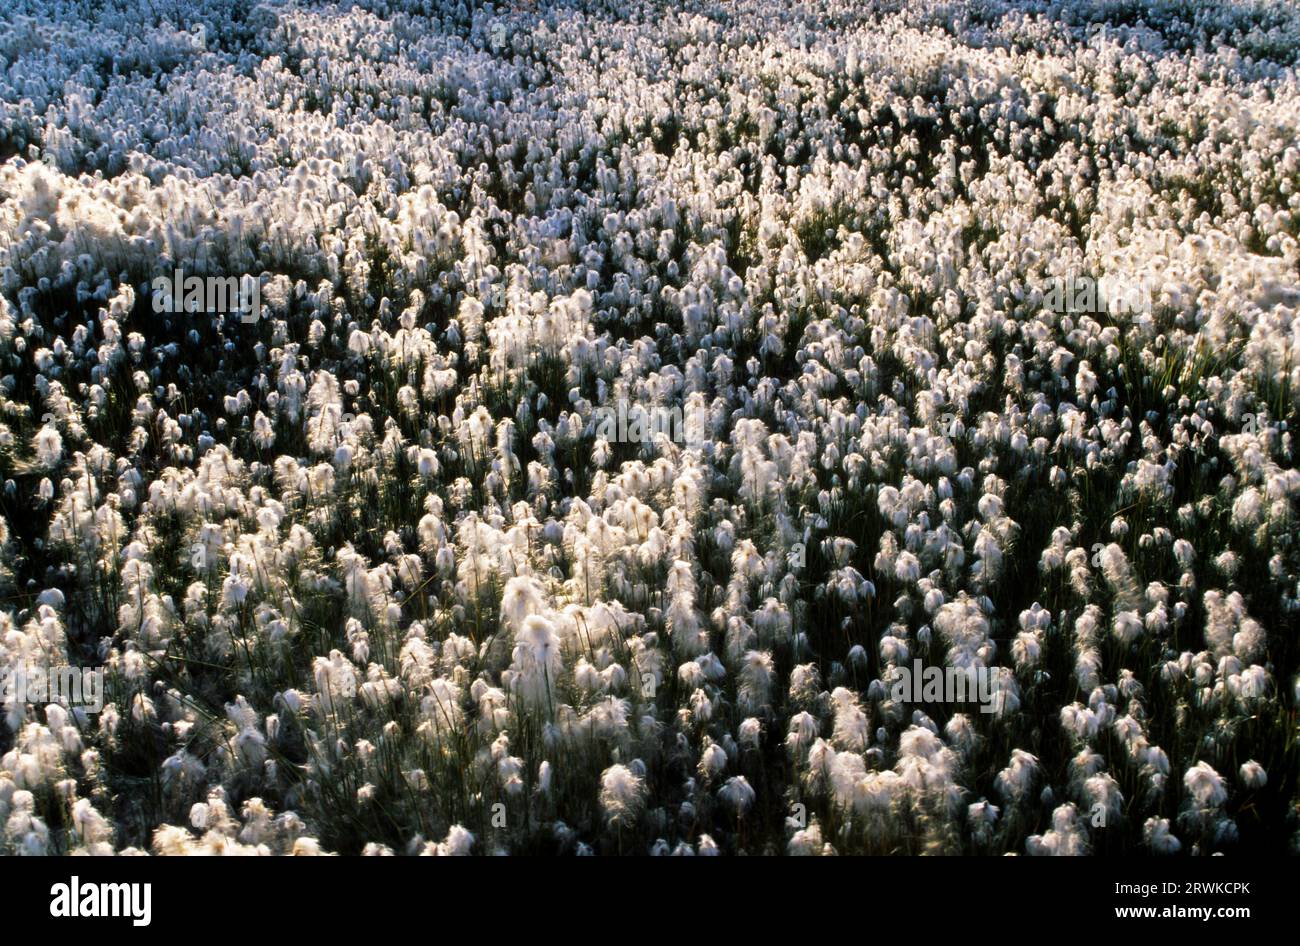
x,y
615,427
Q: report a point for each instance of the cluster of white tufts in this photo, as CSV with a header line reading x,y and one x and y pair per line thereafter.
x,y
368,575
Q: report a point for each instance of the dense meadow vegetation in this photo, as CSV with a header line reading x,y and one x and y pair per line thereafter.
x,y
367,575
